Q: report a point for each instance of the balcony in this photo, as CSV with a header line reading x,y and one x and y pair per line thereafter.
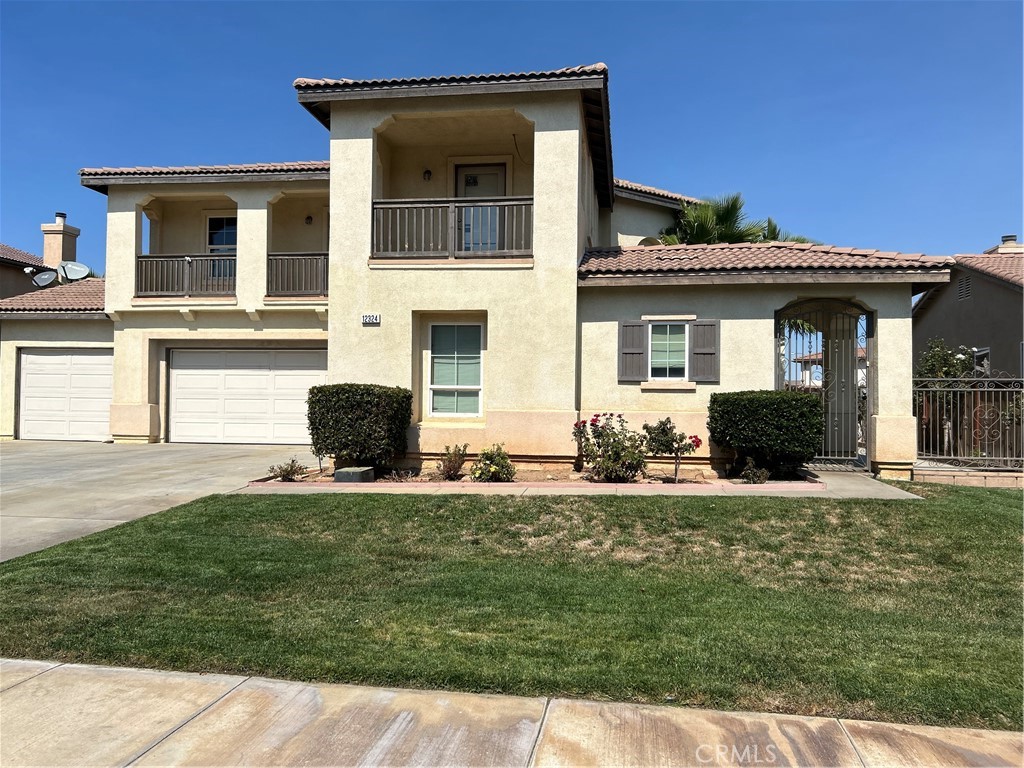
x,y
453,228
297,274
185,275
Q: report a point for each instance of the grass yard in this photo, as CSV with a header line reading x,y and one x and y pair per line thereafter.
x,y
905,611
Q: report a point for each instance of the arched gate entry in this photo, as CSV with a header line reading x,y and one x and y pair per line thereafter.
x,y
825,348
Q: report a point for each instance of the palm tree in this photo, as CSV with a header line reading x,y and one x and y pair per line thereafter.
x,y
722,220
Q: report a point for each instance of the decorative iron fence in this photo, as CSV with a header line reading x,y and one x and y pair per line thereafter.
x,y
970,422
297,274
453,228
185,275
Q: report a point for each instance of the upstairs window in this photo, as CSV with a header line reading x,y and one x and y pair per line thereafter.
x,y
455,381
221,234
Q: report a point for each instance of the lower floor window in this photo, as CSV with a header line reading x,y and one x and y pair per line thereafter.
x,y
668,350
455,382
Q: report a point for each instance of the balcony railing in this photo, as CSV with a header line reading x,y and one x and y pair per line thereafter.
x,y
454,228
297,274
185,275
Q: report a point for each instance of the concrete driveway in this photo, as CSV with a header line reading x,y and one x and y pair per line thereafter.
x,y
54,491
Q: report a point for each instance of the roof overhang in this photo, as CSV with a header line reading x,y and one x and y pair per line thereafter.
x,y
53,315
102,183
644,197
591,85
919,279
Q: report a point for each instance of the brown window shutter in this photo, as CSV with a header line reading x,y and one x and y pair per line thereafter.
x,y
632,350
705,344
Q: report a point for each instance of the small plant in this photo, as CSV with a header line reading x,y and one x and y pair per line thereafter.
x,y
287,472
663,440
493,466
452,461
400,475
753,474
614,453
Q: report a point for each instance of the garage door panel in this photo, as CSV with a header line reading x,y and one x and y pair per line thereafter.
x,y
243,396
65,394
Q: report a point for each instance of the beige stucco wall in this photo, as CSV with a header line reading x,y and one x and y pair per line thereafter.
x,y
991,318
529,375
22,334
288,229
748,353
632,220
142,341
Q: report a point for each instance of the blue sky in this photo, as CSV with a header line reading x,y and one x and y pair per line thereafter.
x,y
870,124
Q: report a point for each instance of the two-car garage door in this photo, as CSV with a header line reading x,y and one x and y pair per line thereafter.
x,y
242,396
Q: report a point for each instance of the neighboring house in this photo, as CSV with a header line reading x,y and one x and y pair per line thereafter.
x,y
981,308
468,240
13,278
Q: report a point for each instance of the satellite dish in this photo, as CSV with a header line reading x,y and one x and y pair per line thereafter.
x,y
72,270
42,279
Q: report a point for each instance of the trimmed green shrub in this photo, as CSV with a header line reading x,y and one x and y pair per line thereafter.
x,y
493,466
779,430
365,424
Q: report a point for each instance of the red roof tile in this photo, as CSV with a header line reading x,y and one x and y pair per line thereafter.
x,y
82,296
412,82
300,166
632,186
665,259
1008,267
18,256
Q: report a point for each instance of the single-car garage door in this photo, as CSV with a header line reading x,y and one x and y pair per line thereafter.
x,y
242,396
65,394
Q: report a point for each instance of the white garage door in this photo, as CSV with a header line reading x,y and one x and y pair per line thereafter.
x,y
243,396
66,394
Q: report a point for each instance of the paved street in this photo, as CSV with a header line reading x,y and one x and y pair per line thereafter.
x,y
85,715
56,491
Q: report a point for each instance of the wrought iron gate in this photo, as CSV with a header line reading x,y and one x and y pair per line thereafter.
x,y
824,348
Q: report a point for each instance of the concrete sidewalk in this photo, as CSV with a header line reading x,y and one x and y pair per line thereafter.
x,y
829,485
75,714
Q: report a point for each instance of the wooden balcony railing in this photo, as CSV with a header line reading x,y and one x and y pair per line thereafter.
x,y
297,274
185,275
453,228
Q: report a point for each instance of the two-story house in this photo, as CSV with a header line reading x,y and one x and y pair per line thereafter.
x,y
468,239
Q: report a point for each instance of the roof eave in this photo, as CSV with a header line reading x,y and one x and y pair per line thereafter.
x,y
41,314
102,183
919,279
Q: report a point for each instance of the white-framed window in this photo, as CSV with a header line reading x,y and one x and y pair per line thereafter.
x,y
667,347
456,377
221,232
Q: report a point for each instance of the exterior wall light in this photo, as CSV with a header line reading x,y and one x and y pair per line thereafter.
x,y
309,220
427,174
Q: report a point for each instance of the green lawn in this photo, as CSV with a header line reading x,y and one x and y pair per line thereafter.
x,y
906,611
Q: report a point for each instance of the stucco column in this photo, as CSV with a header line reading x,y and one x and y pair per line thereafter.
x,y
893,438
124,244
134,413
253,241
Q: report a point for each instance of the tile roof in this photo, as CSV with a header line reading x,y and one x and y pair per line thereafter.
x,y
1008,267
664,259
300,166
632,186
411,82
81,296
18,256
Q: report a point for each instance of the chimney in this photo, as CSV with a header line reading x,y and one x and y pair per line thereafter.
x,y
59,241
1009,244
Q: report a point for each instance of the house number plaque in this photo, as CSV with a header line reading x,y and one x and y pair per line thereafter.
x,y
373,319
